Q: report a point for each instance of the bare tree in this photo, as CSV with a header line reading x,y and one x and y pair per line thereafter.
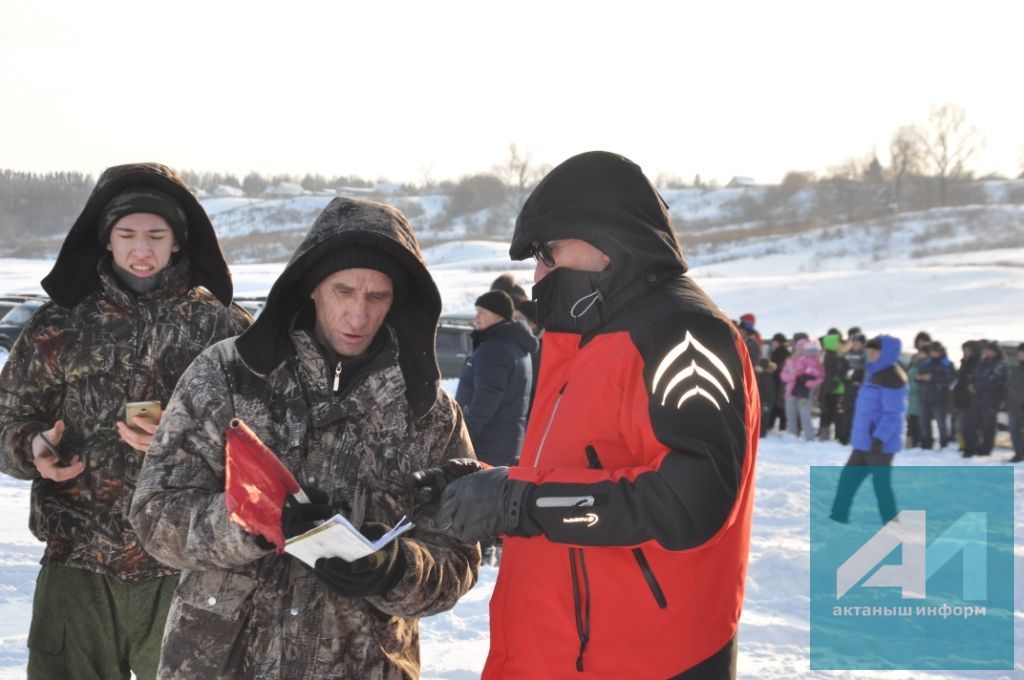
x,y
519,173
907,155
950,144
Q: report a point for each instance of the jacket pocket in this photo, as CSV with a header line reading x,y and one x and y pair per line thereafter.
x,y
649,576
222,594
594,462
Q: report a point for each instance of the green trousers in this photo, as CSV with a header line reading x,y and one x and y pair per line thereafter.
x,y
88,626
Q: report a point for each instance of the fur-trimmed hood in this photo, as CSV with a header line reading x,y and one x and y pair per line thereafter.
x,y
346,222
74,276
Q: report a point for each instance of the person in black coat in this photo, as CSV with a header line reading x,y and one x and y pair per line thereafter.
x,y
494,386
780,353
988,390
935,375
765,371
963,396
856,360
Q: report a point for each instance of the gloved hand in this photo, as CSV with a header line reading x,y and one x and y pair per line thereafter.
x,y
298,518
431,482
876,445
374,574
487,504
804,378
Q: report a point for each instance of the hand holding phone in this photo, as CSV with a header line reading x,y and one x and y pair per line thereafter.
x,y
147,410
136,435
49,460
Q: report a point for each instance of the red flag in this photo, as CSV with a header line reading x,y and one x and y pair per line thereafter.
x,y
256,484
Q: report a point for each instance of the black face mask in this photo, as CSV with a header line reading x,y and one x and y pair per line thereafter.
x,y
569,301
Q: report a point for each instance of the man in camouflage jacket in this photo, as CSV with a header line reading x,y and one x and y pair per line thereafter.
x,y
121,327
350,403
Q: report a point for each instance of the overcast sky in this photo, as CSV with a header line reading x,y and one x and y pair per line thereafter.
x,y
406,90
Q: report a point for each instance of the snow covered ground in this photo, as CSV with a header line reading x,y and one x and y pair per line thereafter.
x,y
953,297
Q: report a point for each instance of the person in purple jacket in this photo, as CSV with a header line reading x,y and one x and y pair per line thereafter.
x,y
877,430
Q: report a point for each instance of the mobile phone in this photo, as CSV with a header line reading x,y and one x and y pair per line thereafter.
x,y
148,410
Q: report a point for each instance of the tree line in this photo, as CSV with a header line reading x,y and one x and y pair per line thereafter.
x,y
928,165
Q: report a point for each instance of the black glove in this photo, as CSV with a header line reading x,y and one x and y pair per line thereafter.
x,y
375,574
430,482
298,518
486,504
804,378
876,445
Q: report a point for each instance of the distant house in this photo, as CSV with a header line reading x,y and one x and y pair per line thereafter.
x,y
286,190
741,182
227,191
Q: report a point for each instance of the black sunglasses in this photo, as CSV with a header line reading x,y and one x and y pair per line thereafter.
x,y
541,251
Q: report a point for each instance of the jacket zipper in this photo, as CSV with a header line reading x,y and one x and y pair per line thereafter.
x,y
337,377
547,428
645,568
580,600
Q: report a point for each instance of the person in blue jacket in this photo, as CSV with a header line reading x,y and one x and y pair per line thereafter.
x,y
494,386
935,376
877,430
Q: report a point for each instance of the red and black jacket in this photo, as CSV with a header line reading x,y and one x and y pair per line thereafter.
x,y
641,444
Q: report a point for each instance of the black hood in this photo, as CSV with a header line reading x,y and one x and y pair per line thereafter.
x,y
74,276
345,222
604,199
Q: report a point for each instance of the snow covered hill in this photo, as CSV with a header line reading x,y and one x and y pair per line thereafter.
x,y
714,224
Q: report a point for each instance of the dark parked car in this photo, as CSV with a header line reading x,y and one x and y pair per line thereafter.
x,y
15,319
9,303
454,344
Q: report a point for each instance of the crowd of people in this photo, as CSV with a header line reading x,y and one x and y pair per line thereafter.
x,y
946,405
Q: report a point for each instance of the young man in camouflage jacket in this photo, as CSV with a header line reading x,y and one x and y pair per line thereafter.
x,y
121,327
338,377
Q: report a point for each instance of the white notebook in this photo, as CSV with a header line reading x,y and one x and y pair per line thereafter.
x,y
337,537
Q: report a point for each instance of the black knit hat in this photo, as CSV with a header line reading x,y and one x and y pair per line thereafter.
x,y
357,257
143,199
497,301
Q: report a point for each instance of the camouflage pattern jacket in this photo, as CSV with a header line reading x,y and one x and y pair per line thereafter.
x,y
241,611
81,365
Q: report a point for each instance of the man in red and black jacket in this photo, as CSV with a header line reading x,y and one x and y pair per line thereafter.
x,y
627,520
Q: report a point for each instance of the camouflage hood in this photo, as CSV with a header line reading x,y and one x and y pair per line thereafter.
x,y
347,222
74,276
